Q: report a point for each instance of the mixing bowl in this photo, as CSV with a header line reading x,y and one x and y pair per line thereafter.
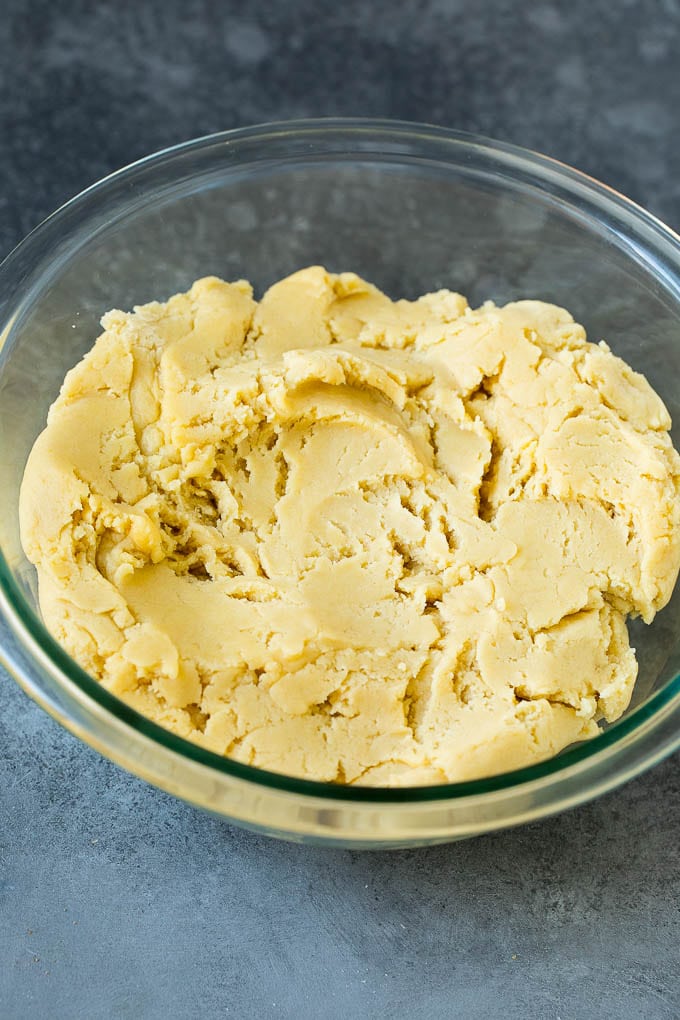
x,y
413,209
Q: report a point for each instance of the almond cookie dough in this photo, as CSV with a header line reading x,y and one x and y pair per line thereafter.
x,y
353,539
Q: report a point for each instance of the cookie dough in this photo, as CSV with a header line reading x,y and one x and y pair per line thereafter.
x,y
353,539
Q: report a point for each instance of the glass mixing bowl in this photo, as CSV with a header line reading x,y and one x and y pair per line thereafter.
x,y
411,208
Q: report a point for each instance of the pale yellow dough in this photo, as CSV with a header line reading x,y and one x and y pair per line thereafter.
x,y
353,539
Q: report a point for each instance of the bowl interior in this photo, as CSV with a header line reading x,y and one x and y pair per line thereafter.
x,y
411,219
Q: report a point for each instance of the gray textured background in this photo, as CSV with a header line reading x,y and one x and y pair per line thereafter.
x,y
117,901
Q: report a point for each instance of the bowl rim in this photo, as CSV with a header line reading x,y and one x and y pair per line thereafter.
x,y
33,635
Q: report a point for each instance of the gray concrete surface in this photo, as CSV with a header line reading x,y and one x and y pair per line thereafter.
x,y
117,901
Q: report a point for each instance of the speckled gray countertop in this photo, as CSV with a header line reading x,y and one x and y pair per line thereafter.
x,y
117,901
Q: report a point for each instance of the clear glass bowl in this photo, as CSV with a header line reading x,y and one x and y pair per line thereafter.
x,y
413,209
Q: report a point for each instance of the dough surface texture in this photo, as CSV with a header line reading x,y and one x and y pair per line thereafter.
x,y
352,539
